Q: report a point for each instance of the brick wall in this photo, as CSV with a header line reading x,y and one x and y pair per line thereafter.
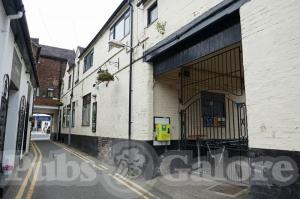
x,y
50,71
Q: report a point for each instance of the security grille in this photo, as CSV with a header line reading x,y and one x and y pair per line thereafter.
x,y
3,115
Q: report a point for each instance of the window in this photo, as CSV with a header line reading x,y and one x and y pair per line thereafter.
x,y
94,117
213,109
64,118
68,115
88,61
73,114
86,110
152,13
50,93
77,79
121,29
70,81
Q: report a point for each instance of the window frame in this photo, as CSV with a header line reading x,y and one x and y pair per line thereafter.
x,y
68,114
112,30
89,55
88,123
50,90
149,11
69,81
73,115
64,117
77,79
94,117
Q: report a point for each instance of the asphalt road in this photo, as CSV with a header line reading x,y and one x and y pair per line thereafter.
x,y
55,171
60,173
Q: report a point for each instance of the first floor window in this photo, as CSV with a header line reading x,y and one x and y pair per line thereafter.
x,y
64,118
50,93
152,13
86,110
121,28
69,81
88,60
68,115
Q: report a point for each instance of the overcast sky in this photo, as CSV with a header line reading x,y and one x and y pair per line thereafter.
x,y
67,23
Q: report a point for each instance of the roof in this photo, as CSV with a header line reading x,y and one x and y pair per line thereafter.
x,y
119,8
58,53
216,13
21,31
81,49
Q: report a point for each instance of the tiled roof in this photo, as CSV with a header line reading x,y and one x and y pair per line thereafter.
x,y
60,53
81,49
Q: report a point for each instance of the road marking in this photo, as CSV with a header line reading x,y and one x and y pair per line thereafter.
x,y
129,187
135,185
128,183
25,182
34,178
98,166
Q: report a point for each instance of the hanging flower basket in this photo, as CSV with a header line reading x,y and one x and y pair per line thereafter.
x,y
105,76
60,103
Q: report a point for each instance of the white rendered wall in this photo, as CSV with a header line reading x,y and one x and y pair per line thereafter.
x,y
12,116
112,114
271,46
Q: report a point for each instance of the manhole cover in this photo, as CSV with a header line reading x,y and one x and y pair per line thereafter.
x,y
228,189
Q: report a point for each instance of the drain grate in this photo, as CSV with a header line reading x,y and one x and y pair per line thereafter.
x,y
228,189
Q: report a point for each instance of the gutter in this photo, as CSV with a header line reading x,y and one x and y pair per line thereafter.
x,y
5,31
25,31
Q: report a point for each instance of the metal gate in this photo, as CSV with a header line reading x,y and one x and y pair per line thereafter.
x,y
21,125
3,115
213,109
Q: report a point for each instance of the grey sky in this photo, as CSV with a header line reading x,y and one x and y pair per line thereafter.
x,y
67,23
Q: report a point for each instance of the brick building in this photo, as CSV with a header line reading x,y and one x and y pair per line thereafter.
x,y
52,63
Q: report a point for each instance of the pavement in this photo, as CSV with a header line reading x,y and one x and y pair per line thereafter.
x,y
52,170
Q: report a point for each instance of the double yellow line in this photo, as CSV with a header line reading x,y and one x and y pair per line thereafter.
x,y
85,159
121,179
36,163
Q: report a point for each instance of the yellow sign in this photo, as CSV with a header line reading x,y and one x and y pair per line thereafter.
x,y
163,132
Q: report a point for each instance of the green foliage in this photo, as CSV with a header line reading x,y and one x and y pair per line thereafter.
x,y
161,27
105,76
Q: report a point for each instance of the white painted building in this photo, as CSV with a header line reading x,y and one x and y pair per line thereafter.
x,y
18,79
198,63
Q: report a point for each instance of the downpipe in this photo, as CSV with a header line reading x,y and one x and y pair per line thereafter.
x,y
130,72
5,33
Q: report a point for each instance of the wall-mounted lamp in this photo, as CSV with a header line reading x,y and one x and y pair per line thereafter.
x,y
118,44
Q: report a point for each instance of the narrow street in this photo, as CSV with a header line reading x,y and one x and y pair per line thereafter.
x,y
53,171
46,179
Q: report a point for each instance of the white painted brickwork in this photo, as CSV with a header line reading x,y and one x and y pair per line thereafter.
x,y
113,100
271,49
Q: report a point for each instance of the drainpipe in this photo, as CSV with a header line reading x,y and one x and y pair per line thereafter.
x,y
71,114
5,31
130,71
